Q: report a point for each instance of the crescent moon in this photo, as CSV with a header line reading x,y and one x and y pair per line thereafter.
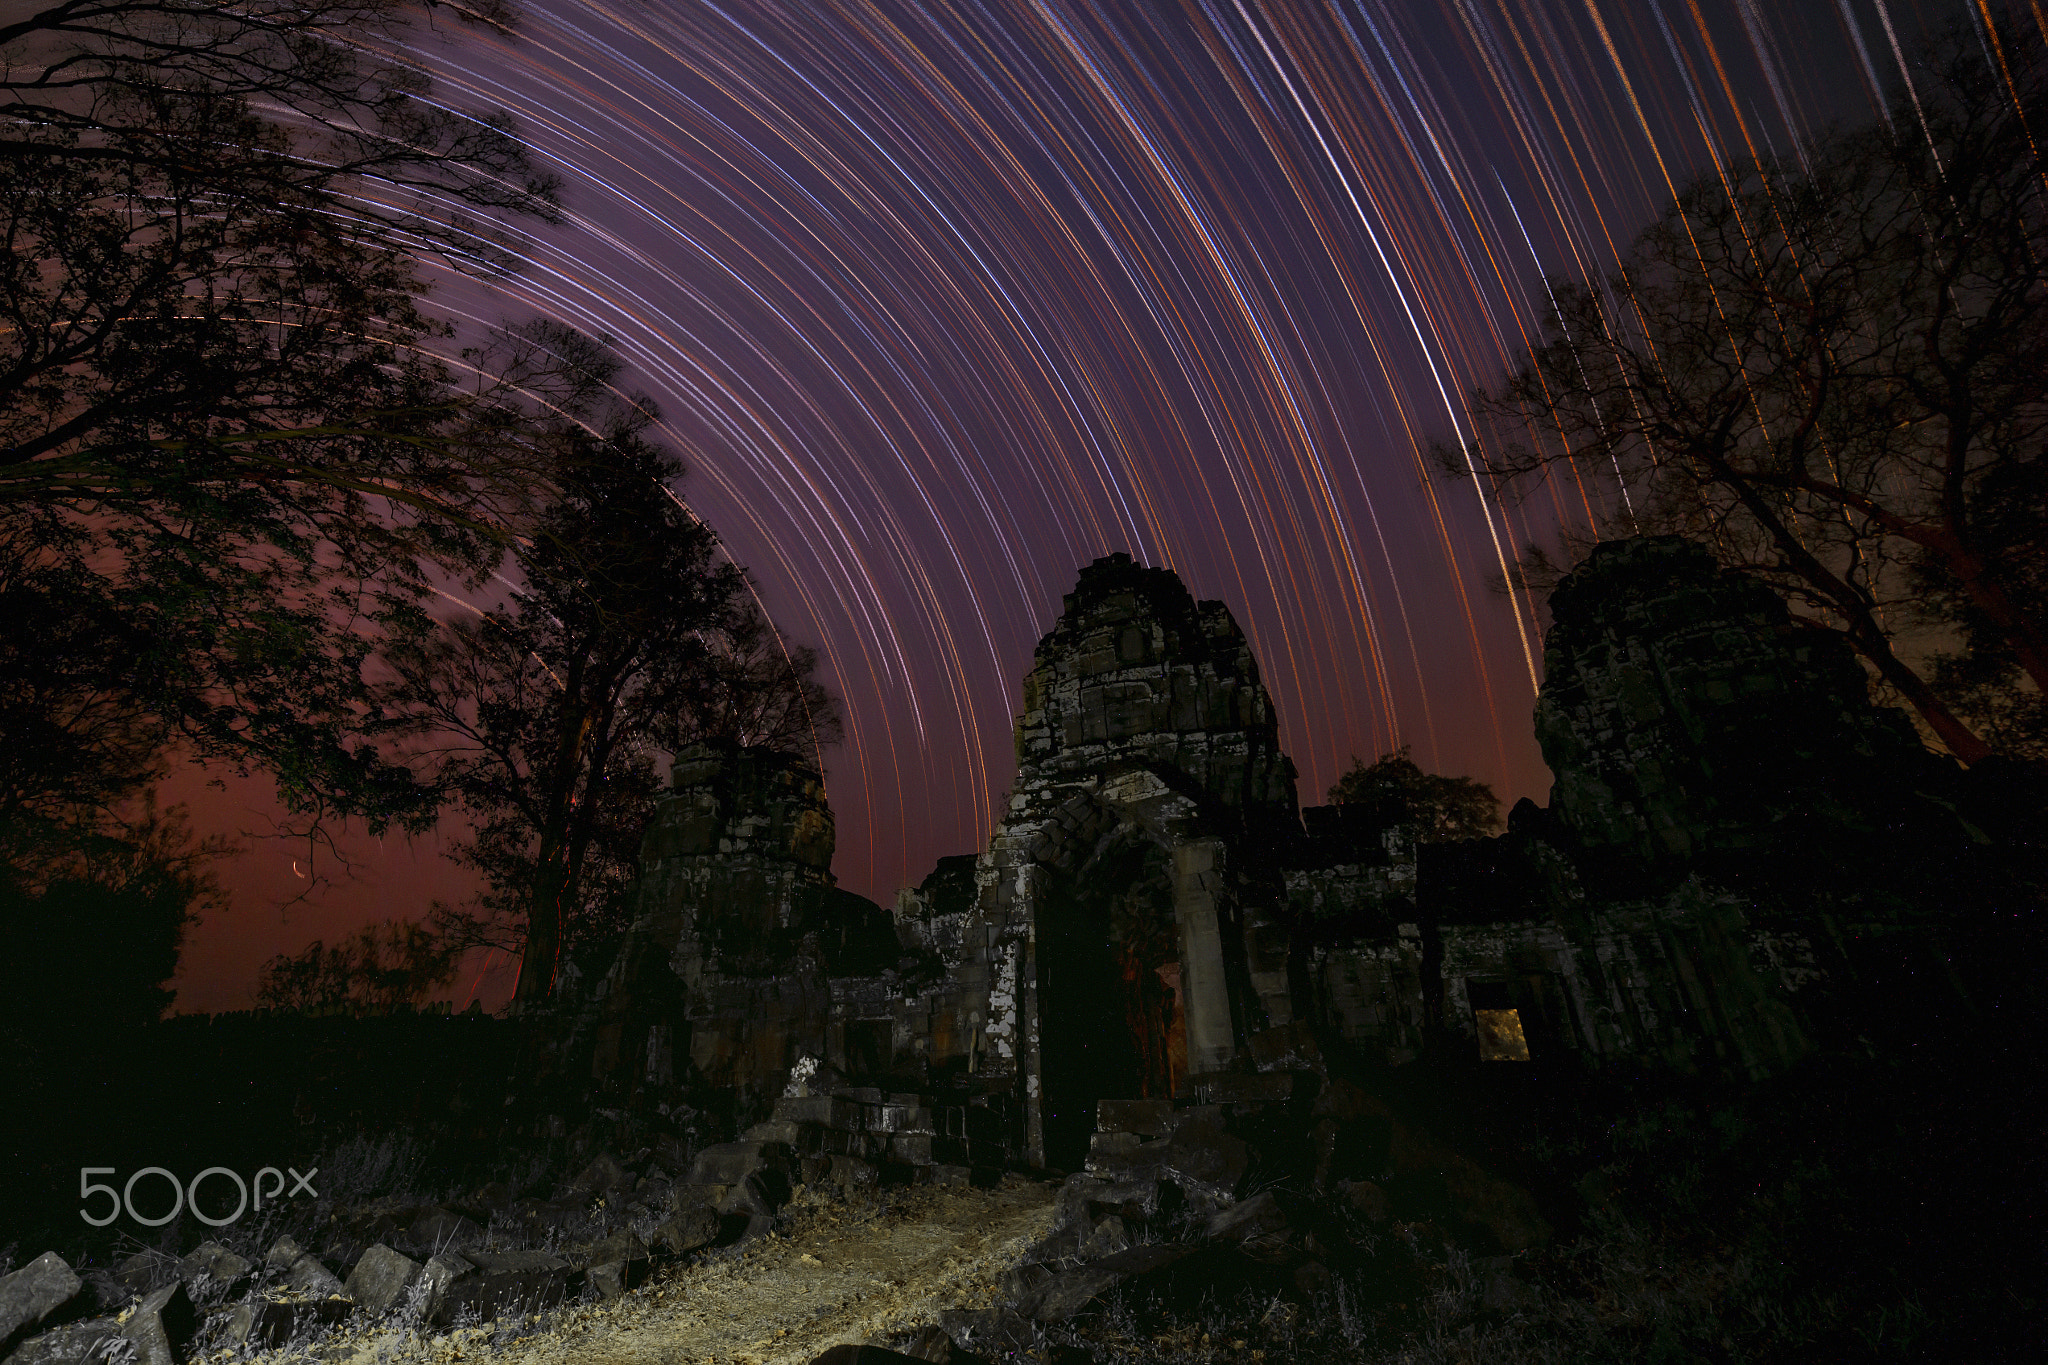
x,y
295,870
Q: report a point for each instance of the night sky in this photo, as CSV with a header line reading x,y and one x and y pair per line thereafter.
x,y
939,303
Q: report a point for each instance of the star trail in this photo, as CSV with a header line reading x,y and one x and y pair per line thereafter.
x,y
941,302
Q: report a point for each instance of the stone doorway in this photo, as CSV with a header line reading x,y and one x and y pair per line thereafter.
x,y
1112,1014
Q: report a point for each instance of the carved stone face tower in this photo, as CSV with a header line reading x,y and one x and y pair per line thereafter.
x,y
1114,893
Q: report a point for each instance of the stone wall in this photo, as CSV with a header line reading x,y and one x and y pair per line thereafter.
x,y
1735,837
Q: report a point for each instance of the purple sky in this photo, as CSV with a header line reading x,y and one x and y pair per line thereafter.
x,y
939,303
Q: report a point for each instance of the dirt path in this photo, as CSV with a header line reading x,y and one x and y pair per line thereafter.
x,y
836,1273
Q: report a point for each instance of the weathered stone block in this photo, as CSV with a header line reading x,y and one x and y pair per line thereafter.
x,y
78,1343
1147,1117
161,1326
310,1275
693,1228
729,1163
380,1279
33,1292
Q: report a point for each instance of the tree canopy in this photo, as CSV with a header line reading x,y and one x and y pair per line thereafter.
x,y
628,636
231,438
1394,791
1832,369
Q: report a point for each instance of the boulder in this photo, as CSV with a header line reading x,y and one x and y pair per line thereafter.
x,y
282,1253
270,1323
438,1279
693,1228
496,1282
381,1278
310,1275
211,1272
617,1264
78,1343
161,1326
33,1292
1147,1118
601,1177
730,1163
1259,1216
1107,1239
144,1271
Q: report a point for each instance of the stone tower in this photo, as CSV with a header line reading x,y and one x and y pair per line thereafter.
x,y
722,978
1693,727
1120,897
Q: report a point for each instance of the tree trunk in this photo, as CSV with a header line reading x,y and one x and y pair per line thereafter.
x,y
542,959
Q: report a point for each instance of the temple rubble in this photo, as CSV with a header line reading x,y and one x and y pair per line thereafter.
x,y
1721,883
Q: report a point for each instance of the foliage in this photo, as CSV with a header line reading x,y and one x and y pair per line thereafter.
x,y
543,719
381,966
226,442
1396,792
94,932
1829,369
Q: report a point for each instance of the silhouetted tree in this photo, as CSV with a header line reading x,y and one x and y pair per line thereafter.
x,y
1396,792
380,967
629,635
1833,371
226,443
93,933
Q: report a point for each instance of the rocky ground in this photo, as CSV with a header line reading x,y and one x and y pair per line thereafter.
x,y
837,1271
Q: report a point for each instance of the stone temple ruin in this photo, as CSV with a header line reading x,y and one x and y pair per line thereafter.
x,y
1719,884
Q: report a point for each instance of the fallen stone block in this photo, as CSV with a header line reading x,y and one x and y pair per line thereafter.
x,y
602,1176
827,1111
33,1292
1261,1088
144,1271
1109,1237
1259,1216
270,1323
730,1163
282,1253
80,1343
1147,1118
614,1278
1208,1163
381,1278
161,1326
438,1278
310,1275
904,1118
500,1282
210,1270
785,1131
690,1230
